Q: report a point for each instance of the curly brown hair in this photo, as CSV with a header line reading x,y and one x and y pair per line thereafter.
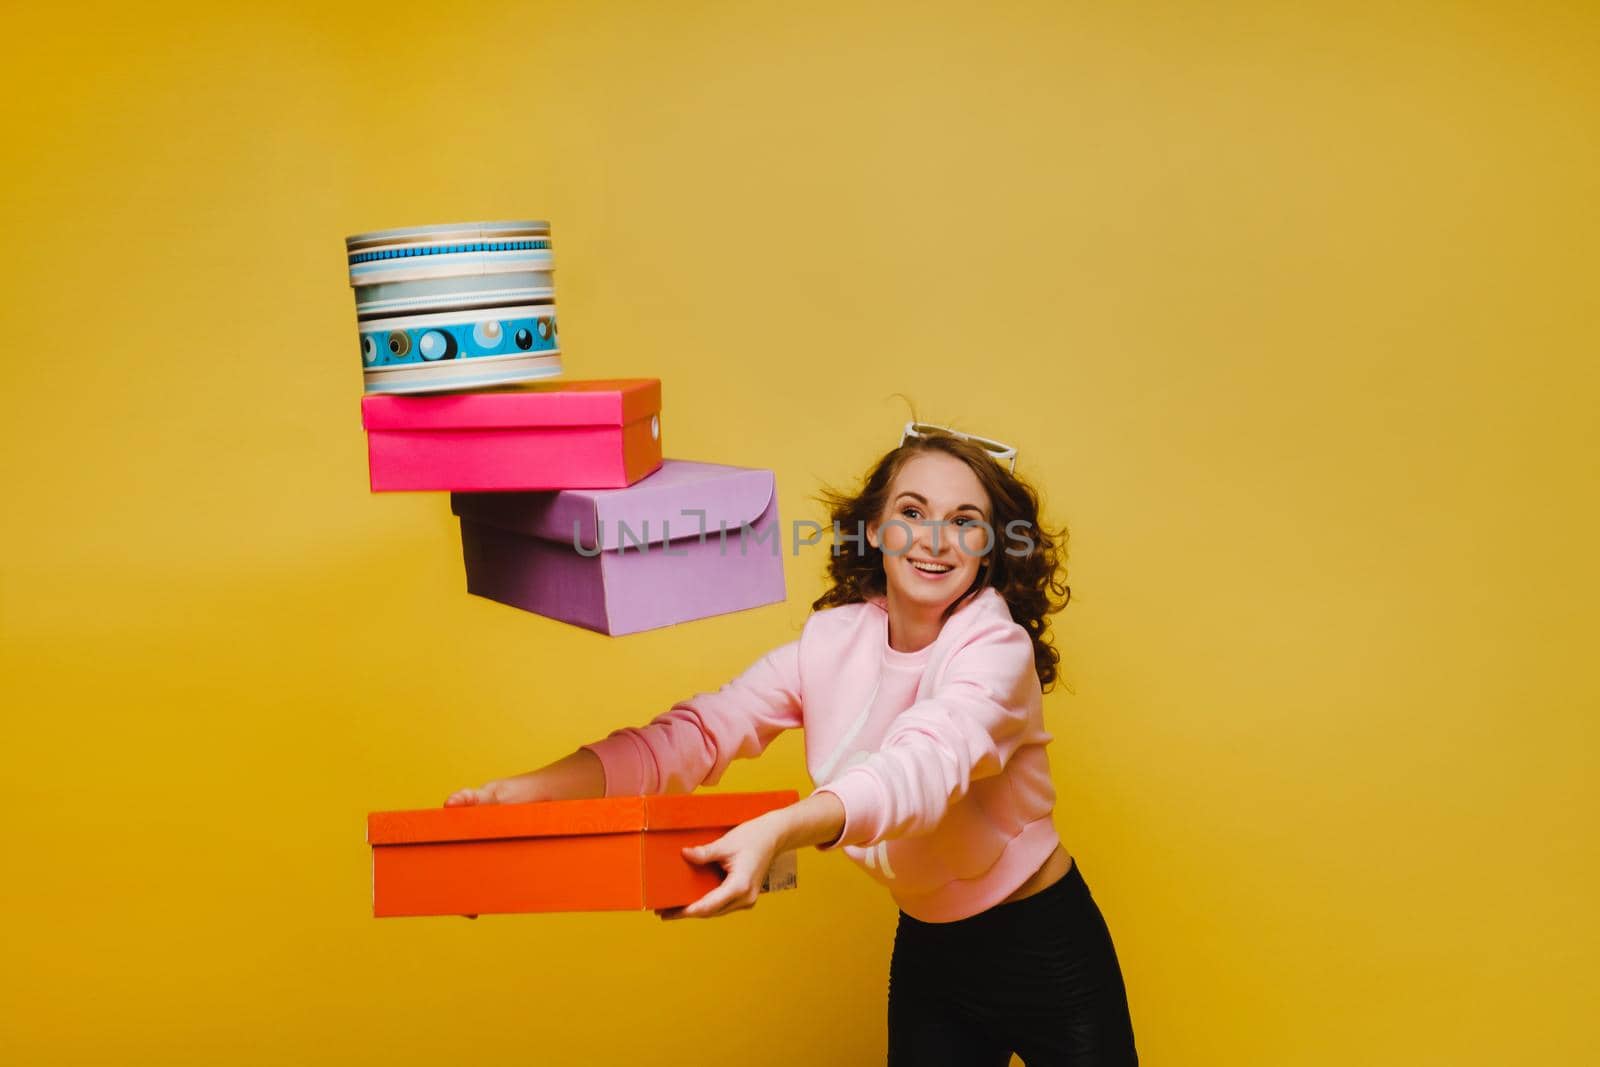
x,y
1034,584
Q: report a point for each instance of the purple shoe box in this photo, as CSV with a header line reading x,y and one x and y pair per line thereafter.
x,y
619,561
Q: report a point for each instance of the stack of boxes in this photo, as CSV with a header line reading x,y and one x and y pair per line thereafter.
x,y
568,509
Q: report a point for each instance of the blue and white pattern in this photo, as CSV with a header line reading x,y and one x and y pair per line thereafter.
x,y
444,250
432,342
429,298
464,264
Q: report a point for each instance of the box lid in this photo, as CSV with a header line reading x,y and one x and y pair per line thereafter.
x,y
601,402
565,818
648,511
447,232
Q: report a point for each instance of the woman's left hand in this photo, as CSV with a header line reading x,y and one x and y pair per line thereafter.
x,y
745,853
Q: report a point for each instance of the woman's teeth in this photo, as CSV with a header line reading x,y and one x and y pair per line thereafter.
x,y
931,568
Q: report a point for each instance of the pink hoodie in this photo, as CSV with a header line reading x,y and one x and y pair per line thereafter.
x,y
938,756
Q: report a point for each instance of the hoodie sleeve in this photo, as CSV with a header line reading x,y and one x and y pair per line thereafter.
x,y
967,729
692,743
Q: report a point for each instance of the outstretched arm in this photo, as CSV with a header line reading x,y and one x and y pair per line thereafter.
x,y
685,747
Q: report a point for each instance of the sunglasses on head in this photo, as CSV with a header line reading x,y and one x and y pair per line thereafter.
x,y
1002,453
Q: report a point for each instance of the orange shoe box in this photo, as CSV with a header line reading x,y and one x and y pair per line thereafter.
x,y
612,854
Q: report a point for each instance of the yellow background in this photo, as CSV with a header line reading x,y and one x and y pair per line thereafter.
x,y
1289,308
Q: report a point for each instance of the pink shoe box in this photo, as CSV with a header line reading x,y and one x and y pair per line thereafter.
x,y
550,435
619,561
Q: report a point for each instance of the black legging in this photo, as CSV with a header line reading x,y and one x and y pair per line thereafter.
x,y
1037,976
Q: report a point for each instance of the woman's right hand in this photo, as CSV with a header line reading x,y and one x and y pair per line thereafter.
x,y
573,777
519,790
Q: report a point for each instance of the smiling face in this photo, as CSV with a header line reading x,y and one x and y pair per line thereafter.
x,y
922,573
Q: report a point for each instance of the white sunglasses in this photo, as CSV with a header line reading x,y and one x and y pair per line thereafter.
x,y
1006,454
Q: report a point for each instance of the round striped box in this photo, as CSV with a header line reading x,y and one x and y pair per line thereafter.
x,y
455,307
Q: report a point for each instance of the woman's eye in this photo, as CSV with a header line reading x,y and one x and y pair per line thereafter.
x,y
907,511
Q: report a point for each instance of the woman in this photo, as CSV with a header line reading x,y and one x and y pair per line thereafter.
x,y
918,680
